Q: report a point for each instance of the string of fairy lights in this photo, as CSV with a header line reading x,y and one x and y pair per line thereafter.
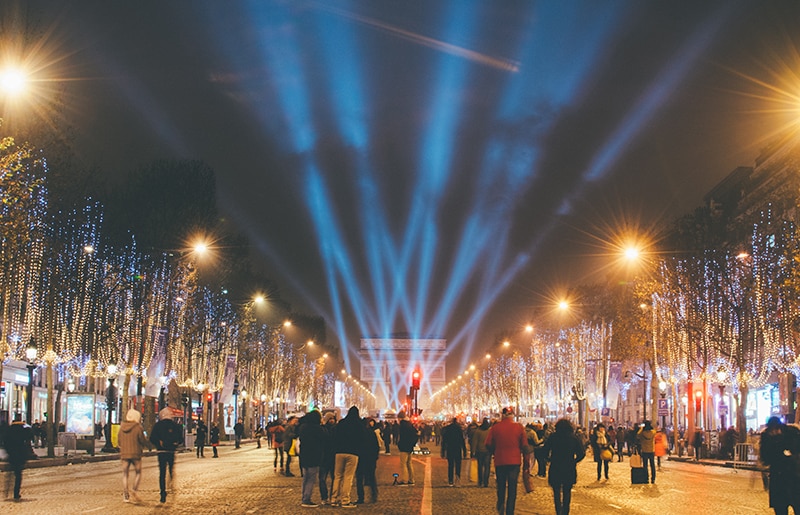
x,y
93,310
723,317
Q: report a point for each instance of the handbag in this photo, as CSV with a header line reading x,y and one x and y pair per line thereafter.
x,y
607,454
293,448
636,461
473,470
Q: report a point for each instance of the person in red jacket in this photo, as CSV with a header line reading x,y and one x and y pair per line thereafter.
x,y
507,441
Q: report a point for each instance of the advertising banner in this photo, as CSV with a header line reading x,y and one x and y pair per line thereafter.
x,y
155,371
226,394
80,414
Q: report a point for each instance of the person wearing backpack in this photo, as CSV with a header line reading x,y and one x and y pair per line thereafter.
x,y
166,437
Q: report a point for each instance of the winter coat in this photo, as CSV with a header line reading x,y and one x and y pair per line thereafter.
x,y
478,442
350,432
453,444
406,436
166,435
17,443
507,441
598,444
200,435
214,432
312,438
131,440
646,438
564,451
781,453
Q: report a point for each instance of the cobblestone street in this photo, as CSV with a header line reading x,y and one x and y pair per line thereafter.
x,y
243,481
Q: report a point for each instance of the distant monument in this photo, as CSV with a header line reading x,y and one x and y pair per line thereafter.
x,y
387,364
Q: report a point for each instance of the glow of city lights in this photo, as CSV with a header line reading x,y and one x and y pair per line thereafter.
x,y
13,81
631,254
563,305
287,323
529,328
88,249
258,299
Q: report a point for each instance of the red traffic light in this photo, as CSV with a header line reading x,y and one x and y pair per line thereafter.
x,y
209,397
415,379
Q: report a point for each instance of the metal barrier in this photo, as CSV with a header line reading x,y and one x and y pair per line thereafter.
x,y
744,455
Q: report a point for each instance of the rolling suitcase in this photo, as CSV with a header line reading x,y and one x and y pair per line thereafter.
x,y
638,475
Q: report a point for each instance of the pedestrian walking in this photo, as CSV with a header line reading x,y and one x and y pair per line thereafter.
x,y
214,438
601,449
386,435
276,434
661,446
779,449
620,436
508,442
166,437
132,442
289,435
17,441
407,437
481,453
564,451
453,448
347,440
646,437
368,462
258,434
312,436
542,431
697,442
238,433
328,459
200,434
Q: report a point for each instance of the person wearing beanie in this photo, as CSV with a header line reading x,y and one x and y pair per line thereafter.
x,y
131,445
166,437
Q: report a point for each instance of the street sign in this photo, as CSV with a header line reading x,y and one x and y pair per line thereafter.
x,y
723,409
663,409
605,412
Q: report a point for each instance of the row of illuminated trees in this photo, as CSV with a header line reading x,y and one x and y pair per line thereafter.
x,y
679,325
97,308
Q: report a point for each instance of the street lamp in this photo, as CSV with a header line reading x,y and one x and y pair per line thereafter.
x,y
235,400
723,407
30,353
111,400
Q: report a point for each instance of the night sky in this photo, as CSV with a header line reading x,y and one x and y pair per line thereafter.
x,y
438,168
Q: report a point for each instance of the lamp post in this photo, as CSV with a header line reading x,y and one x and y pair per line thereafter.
x,y
235,400
662,387
244,410
111,400
200,387
723,406
30,353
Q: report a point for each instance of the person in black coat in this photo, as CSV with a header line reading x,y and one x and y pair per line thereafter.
x,y
312,451
779,449
17,441
368,463
454,447
349,434
200,438
564,450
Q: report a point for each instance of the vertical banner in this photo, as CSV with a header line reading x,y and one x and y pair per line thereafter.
x,y
226,395
614,383
591,383
784,392
155,370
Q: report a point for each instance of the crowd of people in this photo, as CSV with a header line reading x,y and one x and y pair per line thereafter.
x,y
333,454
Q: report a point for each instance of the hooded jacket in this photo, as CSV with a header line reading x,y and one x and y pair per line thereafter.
x,y
312,439
131,440
350,432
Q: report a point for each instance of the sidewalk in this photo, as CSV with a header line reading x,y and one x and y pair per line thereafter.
x,y
750,465
75,457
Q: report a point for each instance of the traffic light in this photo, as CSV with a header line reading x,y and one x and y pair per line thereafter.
x,y
209,397
185,399
415,378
